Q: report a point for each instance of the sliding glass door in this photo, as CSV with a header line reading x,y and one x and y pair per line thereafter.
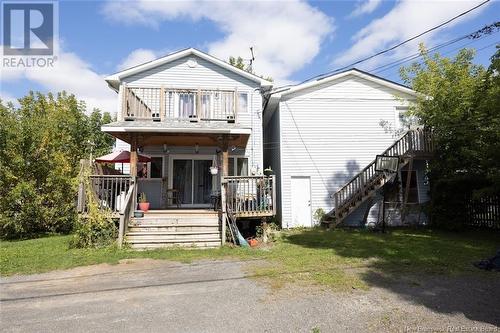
x,y
192,180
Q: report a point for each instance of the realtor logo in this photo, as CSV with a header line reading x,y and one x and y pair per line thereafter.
x,y
28,28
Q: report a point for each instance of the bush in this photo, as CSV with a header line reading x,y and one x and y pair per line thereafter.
x,y
41,143
96,228
449,198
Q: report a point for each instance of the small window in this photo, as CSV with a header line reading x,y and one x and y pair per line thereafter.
x,y
153,169
243,102
231,167
242,167
156,167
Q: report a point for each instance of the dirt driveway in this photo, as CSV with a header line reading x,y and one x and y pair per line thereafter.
x,y
217,296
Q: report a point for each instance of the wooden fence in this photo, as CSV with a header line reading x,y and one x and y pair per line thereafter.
x,y
483,212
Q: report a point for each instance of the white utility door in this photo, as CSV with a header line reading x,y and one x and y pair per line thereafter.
x,y
301,202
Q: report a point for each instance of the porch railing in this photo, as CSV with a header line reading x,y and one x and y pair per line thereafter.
x,y
110,192
126,211
251,196
158,104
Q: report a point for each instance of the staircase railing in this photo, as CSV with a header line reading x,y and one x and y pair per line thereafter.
x,y
413,142
126,211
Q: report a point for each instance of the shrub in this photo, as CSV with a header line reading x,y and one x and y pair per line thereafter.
x,y
96,228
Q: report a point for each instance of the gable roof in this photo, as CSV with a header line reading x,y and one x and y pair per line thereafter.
x,y
355,72
114,79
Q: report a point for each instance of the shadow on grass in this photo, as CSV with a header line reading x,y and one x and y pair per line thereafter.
x,y
426,267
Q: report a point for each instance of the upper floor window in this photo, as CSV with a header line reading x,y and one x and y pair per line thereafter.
x,y
242,102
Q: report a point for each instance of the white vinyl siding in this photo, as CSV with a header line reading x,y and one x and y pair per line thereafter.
x,y
272,151
207,75
339,123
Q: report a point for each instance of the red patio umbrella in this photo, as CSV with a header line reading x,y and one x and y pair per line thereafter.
x,y
122,156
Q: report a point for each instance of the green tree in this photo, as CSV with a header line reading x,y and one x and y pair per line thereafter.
x,y
238,62
41,143
458,100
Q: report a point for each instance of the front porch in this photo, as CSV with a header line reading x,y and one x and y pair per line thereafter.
x,y
179,183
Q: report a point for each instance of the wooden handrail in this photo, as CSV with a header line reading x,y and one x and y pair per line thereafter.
x,y
414,141
126,210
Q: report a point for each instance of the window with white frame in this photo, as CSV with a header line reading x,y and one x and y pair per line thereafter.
x,y
238,166
243,102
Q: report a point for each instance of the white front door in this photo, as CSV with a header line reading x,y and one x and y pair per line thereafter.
x,y
301,202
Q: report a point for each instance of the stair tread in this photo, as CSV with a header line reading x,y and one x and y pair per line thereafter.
x,y
187,240
153,225
149,233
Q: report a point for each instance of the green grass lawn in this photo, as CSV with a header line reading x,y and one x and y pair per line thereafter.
x,y
336,258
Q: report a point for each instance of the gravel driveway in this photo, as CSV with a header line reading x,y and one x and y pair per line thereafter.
x,y
217,296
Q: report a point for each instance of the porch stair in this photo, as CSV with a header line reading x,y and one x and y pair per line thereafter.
x,y
413,144
175,228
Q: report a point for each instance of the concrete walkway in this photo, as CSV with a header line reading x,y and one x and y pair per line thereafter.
x,y
206,296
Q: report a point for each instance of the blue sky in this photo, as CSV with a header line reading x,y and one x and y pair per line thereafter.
x,y
293,40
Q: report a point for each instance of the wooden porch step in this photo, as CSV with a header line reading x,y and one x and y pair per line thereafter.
x,y
170,233
173,222
194,245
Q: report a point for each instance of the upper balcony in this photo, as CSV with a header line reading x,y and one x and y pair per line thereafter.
x,y
184,105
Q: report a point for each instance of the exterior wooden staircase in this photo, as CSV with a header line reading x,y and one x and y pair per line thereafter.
x,y
415,143
170,228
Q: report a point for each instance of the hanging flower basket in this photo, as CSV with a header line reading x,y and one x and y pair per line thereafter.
x,y
214,170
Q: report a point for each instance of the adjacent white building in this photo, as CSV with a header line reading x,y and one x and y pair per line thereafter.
x,y
320,134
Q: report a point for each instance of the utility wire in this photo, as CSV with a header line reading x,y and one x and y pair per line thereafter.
x,y
321,76
418,55
412,38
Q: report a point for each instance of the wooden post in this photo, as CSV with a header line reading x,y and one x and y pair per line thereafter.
x,y
225,173
198,104
235,109
124,102
162,103
133,167
133,156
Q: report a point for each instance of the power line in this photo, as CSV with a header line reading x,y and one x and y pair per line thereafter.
x,y
418,55
321,76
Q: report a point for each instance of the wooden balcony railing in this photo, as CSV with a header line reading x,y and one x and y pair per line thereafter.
x,y
251,196
193,105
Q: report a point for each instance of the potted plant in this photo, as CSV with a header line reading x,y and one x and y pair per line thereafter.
x,y
268,171
143,202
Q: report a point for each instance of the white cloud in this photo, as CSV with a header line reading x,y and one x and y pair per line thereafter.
x,y
366,7
286,36
137,57
407,19
6,98
72,74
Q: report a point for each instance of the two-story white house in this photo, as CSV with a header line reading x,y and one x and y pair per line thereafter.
x,y
321,138
199,120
